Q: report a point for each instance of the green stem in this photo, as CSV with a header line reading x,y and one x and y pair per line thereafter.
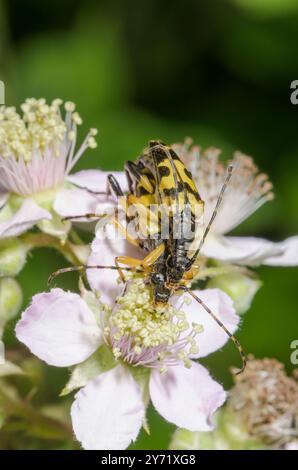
x,y
75,237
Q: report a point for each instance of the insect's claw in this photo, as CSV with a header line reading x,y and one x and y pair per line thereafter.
x,y
53,275
239,371
61,271
244,362
50,278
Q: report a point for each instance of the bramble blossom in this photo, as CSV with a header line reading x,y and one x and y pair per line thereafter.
x,y
128,353
37,154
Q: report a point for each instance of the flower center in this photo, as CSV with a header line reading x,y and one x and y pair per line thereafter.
x,y
41,125
31,143
141,333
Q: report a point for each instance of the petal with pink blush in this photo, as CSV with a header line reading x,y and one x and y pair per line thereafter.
x,y
76,201
59,328
108,413
289,256
25,218
96,180
104,252
186,397
249,251
213,336
292,446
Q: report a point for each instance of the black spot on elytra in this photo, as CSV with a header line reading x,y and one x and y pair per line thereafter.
x,y
142,191
187,173
164,170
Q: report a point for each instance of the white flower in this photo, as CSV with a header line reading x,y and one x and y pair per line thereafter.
x,y
37,154
247,191
152,358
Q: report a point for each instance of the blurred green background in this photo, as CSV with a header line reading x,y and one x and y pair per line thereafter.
x,y
219,71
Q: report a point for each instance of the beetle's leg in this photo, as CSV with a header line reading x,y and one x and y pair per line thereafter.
x,y
120,270
144,263
89,215
113,187
84,268
188,275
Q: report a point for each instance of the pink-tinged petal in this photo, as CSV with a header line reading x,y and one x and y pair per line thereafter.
x,y
213,336
104,252
292,446
108,413
3,199
186,397
59,328
249,251
289,256
25,218
76,201
96,180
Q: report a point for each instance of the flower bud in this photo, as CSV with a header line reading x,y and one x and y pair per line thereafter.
x,y
10,300
239,287
229,434
12,256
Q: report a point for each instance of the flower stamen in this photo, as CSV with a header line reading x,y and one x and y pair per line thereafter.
x,y
139,334
37,148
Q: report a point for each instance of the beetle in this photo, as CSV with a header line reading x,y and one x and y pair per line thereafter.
x,y
159,178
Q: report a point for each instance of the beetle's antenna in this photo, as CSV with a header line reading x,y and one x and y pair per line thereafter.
x,y
215,211
84,216
231,336
84,268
